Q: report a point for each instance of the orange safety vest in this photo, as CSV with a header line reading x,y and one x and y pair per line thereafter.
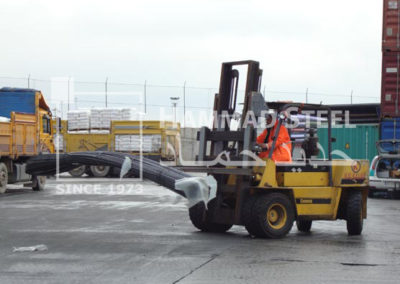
x,y
283,146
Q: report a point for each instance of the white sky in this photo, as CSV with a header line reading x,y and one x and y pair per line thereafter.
x,y
330,47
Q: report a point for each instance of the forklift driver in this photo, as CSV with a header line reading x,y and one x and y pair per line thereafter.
x,y
283,146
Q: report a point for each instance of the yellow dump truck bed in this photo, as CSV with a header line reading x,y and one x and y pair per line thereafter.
x,y
19,137
159,138
79,142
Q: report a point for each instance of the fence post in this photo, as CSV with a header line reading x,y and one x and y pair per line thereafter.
x,y
69,78
351,97
145,96
307,96
29,81
184,104
106,90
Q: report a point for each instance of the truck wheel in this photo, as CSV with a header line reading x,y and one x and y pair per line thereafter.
x,y
3,178
304,225
273,215
200,218
354,215
78,172
38,183
100,171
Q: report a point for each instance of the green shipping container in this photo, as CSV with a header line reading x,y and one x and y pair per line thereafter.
x,y
357,143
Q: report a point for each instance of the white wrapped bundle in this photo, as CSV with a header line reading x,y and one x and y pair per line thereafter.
x,y
95,117
101,117
131,143
123,143
78,120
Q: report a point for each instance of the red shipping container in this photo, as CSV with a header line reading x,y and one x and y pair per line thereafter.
x,y
390,85
391,22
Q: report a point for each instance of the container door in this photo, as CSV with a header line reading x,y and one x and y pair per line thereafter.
x,y
355,143
390,84
390,129
390,33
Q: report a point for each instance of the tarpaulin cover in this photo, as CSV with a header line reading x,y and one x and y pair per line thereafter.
x,y
17,100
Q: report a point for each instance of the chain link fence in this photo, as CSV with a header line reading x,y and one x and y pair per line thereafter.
x,y
191,106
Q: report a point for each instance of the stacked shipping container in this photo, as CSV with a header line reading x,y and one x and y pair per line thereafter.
x,y
390,101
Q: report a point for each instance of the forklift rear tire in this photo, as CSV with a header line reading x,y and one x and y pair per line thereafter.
x,y
304,225
201,220
354,216
3,178
273,215
78,172
38,183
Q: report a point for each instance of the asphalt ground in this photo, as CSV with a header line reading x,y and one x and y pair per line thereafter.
x,y
139,232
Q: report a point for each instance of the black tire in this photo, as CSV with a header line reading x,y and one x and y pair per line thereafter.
x,y
394,195
201,218
304,225
78,172
248,217
38,183
266,208
100,171
354,216
197,214
371,193
3,178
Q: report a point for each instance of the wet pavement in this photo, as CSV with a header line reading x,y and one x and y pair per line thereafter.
x,y
121,233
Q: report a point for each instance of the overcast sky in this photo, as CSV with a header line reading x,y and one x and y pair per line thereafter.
x,y
330,47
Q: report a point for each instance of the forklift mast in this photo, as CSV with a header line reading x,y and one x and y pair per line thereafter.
x,y
226,100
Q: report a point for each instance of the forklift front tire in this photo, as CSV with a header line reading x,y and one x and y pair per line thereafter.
x,y
200,218
273,215
354,215
197,214
248,216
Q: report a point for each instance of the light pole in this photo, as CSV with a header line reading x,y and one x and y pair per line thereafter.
x,y
174,101
106,91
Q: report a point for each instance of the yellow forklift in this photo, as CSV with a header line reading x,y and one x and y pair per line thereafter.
x,y
268,197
